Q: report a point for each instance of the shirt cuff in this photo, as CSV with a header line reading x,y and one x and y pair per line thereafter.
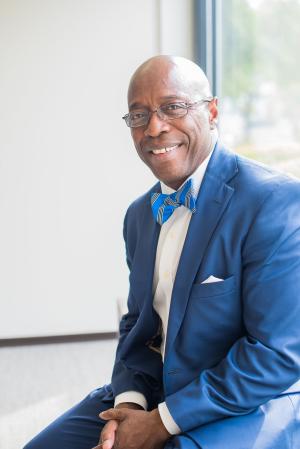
x,y
167,419
132,396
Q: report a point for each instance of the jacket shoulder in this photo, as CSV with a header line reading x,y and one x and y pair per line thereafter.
x,y
259,181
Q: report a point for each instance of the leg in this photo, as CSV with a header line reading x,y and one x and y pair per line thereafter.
x,y
182,442
272,426
78,428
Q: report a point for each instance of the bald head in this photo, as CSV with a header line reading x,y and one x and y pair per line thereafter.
x,y
163,69
170,100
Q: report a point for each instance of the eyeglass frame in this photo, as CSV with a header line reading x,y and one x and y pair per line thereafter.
x,y
158,110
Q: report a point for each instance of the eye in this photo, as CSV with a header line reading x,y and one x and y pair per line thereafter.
x,y
173,107
137,115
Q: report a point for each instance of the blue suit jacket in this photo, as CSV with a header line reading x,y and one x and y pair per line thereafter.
x,y
233,347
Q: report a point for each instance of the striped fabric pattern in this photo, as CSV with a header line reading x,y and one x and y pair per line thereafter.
x,y
164,205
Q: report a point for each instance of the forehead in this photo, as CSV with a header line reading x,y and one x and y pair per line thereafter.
x,y
156,84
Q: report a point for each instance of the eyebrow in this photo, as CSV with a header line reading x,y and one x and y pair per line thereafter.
x,y
136,104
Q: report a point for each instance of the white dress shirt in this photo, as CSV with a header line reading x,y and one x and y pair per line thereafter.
x,y
170,243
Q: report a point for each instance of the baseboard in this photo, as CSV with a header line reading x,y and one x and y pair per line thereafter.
x,y
57,339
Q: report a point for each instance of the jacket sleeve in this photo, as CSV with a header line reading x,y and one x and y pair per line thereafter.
x,y
128,376
266,360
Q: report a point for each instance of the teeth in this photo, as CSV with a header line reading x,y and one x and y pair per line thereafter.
x,y
163,150
160,151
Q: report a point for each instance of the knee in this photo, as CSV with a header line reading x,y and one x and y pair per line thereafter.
x,y
29,446
34,444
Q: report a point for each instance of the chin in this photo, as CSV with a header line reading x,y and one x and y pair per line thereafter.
x,y
171,178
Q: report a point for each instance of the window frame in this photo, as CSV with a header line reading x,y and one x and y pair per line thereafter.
x,y
208,32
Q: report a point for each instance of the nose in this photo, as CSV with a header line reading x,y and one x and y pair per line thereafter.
x,y
156,125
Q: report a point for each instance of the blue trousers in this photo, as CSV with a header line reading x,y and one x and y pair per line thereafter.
x,y
80,427
274,425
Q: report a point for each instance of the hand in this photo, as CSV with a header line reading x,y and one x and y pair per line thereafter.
x,y
107,436
137,429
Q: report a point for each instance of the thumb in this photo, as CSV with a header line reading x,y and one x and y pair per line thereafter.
x,y
113,413
107,444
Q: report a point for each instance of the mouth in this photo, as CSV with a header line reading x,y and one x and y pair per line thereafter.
x,y
164,150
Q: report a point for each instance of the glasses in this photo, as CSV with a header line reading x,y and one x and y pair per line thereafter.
x,y
170,111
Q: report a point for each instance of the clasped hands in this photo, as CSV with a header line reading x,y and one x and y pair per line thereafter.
x,y
130,427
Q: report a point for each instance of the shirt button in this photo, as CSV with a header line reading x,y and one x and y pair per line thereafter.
x,y
166,274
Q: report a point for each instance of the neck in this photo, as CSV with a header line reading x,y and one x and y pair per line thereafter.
x,y
176,184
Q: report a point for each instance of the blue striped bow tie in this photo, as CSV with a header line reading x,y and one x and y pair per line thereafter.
x,y
164,205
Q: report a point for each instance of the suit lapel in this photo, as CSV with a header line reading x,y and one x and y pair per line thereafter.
x,y
145,252
142,270
213,199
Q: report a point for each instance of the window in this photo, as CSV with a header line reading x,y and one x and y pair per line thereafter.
x,y
260,80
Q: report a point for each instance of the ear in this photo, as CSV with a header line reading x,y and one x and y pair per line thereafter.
x,y
213,112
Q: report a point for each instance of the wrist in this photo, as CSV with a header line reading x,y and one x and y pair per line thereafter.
x,y
161,429
131,405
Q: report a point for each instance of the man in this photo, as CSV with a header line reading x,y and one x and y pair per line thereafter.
x,y
209,351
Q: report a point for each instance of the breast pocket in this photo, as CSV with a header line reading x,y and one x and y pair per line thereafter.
x,y
211,289
212,322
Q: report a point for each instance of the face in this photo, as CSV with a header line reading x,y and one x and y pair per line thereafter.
x,y
172,149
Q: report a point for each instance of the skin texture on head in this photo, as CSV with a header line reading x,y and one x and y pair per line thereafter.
x,y
167,79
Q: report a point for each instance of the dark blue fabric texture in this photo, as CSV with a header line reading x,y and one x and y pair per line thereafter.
x,y
78,428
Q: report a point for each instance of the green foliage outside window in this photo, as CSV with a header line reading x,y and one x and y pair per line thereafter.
x,y
260,96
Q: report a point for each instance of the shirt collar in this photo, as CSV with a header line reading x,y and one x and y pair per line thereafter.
x,y
198,174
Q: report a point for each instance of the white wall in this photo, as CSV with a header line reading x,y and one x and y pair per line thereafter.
x,y
64,69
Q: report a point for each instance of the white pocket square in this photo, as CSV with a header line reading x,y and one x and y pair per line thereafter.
x,y
212,279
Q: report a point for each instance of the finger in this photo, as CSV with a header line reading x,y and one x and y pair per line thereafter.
x,y
108,432
113,413
108,444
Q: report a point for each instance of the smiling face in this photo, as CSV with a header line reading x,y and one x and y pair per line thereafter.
x,y
172,149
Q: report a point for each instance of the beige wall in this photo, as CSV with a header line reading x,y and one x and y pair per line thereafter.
x,y
65,65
